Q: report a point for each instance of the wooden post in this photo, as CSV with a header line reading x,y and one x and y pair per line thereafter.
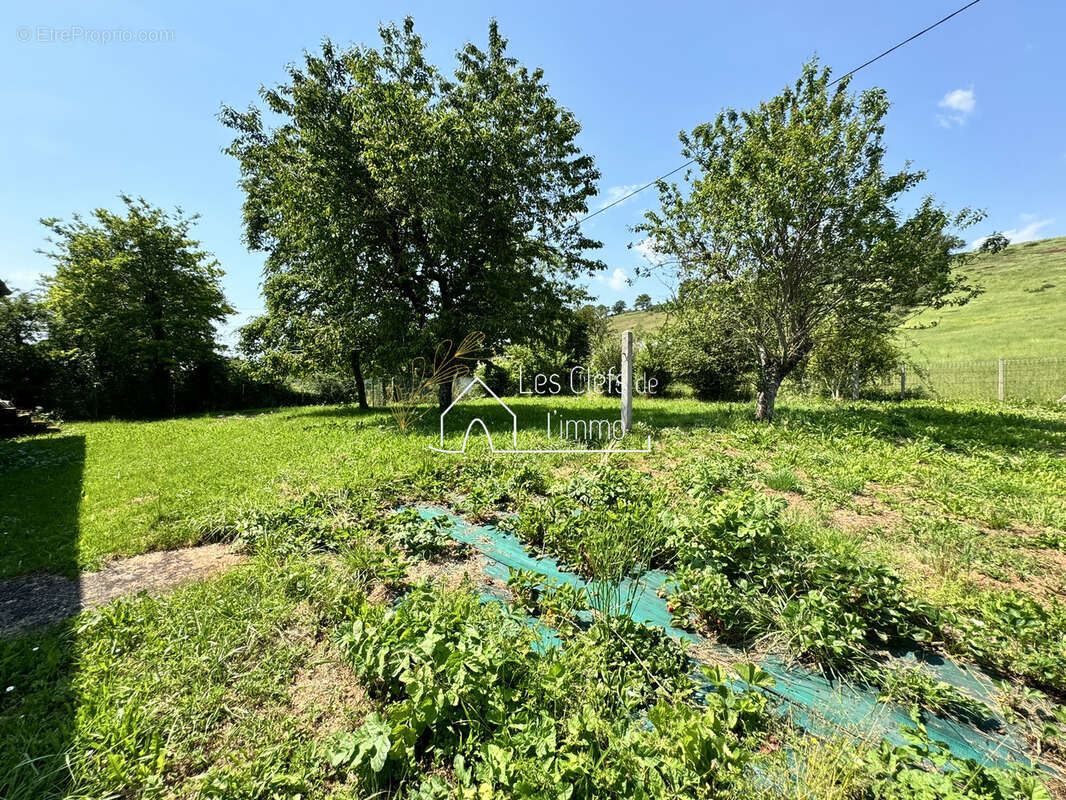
x,y
627,381
1002,380
902,380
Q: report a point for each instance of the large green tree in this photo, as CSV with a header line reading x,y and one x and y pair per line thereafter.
x,y
792,226
135,300
23,369
421,206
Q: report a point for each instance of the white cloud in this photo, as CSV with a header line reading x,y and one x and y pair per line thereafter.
x,y
962,100
616,193
1017,235
958,105
618,279
646,248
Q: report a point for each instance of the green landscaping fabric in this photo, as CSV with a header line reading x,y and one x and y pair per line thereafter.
x,y
812,700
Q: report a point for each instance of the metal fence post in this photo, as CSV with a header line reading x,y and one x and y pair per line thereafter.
x,y
902,380
1002,379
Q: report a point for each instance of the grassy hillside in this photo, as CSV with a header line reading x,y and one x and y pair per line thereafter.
x,y
640,322
1022,313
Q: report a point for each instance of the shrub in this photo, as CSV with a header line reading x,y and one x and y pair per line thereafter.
x,y
652,359
850,360
496,377
698,352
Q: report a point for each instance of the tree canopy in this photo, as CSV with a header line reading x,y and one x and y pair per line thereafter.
x,y
22,326
791,226
400,207
133,301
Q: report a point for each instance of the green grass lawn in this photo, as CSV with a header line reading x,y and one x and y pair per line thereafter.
x,y
293,675
69,499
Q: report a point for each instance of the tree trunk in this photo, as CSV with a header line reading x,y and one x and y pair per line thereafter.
x,y
444,395
765,400
769,382
360,384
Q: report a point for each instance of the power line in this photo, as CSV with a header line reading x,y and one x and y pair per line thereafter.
x,y
692,161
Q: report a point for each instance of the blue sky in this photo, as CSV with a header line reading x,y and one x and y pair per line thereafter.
x,y
979,102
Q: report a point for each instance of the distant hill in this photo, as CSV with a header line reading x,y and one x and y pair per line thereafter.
x,y
1021,314
640,322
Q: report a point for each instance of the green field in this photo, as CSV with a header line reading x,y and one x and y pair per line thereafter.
x,y
295,674
1021,314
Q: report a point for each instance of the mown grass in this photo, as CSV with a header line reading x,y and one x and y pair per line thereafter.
x,y
931,479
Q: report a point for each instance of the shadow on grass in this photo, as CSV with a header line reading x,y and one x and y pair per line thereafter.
x,y
953,427
40,489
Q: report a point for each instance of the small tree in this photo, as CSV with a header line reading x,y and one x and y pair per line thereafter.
x,y
791,226
994,243
619,307
133,300
847,361
643,302
698,349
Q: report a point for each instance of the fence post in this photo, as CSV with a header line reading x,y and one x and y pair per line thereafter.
x,y
627,381
855,381
902,380
1002,379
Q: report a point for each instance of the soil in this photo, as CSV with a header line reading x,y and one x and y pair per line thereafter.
x,y
326,697
40,599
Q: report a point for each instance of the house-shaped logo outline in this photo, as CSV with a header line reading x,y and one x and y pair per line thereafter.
x,y
478,420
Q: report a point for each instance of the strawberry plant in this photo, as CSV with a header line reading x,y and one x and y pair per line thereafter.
x,y
418,536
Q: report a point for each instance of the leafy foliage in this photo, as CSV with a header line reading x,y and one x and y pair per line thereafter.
x,y
133,303
24,369
744,575
606,522
790,229
465,690
400,207
419,537
699,352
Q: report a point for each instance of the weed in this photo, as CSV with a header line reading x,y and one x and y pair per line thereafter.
x,y
782,480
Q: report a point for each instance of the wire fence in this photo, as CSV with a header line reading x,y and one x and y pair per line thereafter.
x,y
1011,380
1025,380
